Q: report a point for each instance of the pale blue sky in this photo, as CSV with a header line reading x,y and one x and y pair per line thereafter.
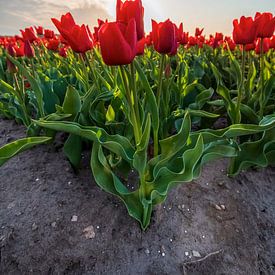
x,y
213,15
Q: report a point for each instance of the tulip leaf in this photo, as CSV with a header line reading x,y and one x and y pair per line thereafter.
x,y
10,150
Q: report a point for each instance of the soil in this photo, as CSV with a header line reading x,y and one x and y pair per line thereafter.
x,y
53,221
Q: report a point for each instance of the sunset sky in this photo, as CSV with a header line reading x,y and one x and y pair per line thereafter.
x,y
213,15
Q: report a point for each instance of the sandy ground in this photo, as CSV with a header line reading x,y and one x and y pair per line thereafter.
x,y
53,221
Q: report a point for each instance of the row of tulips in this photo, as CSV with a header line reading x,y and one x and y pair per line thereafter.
x,y
161,104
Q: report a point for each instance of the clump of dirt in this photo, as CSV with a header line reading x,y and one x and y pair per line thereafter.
x,y
53,221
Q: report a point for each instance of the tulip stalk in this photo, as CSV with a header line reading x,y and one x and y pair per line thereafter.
x,y
130,99
132,68
161,69
261,112
86,57
241,89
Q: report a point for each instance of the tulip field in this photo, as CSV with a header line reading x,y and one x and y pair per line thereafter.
x,y
162,104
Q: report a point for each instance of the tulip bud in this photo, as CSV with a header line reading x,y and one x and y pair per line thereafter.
x,y
63,52
10,66
28,49
167,71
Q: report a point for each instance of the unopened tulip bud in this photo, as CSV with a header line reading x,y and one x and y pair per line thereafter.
x,y
167,71
28,49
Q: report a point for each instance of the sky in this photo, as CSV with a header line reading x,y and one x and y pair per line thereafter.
x,y
213,15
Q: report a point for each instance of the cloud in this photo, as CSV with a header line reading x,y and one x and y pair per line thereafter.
x,y
18,14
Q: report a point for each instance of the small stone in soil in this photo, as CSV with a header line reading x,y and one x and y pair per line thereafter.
x,y
37,179
196,254
89,232
218,207
223,207
147,251
53,224
74,218
34,226
11,205
186,253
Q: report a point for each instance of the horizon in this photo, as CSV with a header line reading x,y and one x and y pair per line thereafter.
x,y
16,15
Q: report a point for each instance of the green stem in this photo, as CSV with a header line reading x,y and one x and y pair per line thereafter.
x,y
156,133
241,89
161,69
262,77
92,70
21,100
136,127
134,88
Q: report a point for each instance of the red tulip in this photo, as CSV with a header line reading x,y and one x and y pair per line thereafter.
x,y
141,46
19,49
265,24
11,67
49,34
28,49
96,29
118,42
266,46
164,37
63,52
184,38
192,41
272,42
39,30
249,47
29,34
77,37
131,9
198,31
52,44
231,45
244,31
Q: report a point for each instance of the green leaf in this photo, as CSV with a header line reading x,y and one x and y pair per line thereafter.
x,y
110,115
115,143
73,149
72,102
34,84
10,150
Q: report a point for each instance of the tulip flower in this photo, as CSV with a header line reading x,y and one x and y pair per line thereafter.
x,y
19,48
28,49
39,30
192,41
249,47
29,34
77,37
141,46
63,52
118,42
164,37
49,34
52,44
272,42
266,45
244,31
184,38
96,29
198,31
10,66
231,45
128,10
265,24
